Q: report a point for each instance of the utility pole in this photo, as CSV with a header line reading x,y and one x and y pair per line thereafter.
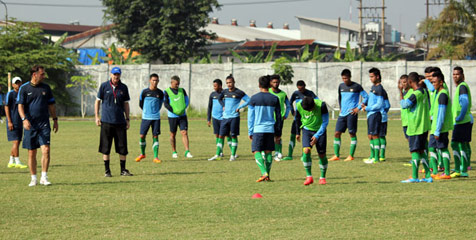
x,y
436,3
382,21
338,34
382,48
361,30
6,13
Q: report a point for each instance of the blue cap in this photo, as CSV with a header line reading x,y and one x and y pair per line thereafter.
x,y
116,70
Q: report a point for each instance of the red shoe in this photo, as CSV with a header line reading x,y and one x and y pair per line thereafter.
x,y
140,157
262,178
309,180
334,158
157,160
322,181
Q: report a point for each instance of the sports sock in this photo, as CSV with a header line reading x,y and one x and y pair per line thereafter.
x,y
440,158
229,141
123,165
323,166
433,160
234,146
142,145
106,165
456,156
307,162
269,161
17,160
445,154
468,152
11,160
260,161
155,147
216,140
43,174
219,146
376,149
337,146
426,166
371,149
383,145
33,177
415,164
292,144
464,158
353,146
280,147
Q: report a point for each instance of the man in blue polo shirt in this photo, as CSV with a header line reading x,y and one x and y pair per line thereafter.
x,y
215,116
14,124
113,97
35,105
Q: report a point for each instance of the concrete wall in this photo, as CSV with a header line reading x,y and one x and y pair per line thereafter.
x,y
323,77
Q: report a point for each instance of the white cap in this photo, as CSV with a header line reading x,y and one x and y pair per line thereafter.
x,y
16,79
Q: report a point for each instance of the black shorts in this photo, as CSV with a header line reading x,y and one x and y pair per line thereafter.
x,y
216,125
38,135
110,132
383,130
16,134
262,142
418,142
181,122
146,124
347,122
321,141
230,127
462,132
441,143
293,128
373,123
405,132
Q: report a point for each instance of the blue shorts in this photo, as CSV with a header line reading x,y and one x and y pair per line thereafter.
x,y
441,143
230,126
37,136
373,123
405,132
16,134
462,132
146,124
321,141
216,125
347,122
181,122
383,130
262,142
418,142
293,128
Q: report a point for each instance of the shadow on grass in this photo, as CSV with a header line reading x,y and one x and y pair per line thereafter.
x,y
99,183
14,172
174,173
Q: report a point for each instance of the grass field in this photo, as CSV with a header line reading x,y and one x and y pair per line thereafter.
x,y
196,199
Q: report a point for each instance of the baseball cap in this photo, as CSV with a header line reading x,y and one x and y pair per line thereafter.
x,y
16,79
116,70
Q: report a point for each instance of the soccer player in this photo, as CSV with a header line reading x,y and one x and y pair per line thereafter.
x,y
215,116
296,97
463,124
441,125
374,106
404,89
264,120
176,101
383,127
285,108
113,98
14,124
312,116
150,101
349,102
418,126
231,99
35,105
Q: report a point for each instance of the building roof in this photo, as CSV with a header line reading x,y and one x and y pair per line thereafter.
x,y
65,27
333,22
244,33
87,34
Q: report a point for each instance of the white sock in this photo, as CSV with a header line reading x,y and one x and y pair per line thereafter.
x,y
33,177
17,160
11,160
43,174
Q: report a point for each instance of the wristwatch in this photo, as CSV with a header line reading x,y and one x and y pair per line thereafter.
x,y
23,118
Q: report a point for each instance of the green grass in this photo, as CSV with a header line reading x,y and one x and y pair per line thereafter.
x,y
197,199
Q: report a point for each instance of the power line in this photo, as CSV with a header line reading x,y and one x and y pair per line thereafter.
x,y
261,2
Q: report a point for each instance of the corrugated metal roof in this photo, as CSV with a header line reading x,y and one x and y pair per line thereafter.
x,y
241,33
333,22
65,27
280,43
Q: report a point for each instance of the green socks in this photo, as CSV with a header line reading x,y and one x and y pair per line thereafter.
x,y
433,160
307,162
261,164
155,147
376,150
228,140
456,155
269,162
234,146
445,154
219,146
426,165
383,145
464,158
323,166
371,149
337,146
142,145
292,143
353,146
415,164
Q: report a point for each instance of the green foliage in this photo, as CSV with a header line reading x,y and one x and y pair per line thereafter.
x,y
95,59
23,45
282,68
171,31
86,84
246,57
117,57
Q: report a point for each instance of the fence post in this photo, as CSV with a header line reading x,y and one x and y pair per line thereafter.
x,y
450,77
317,78
189,82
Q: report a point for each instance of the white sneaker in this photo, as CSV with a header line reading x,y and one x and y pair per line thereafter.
x,y
280,155
214,158
232,158
369,161
32,183
189,155
44,181
236,155
174,155
221,154
277,159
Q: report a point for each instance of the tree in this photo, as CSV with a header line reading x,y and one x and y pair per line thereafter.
x,y
282,68
170,31
85,84
23,45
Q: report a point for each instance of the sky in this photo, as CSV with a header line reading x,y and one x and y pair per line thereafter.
x,y
402,15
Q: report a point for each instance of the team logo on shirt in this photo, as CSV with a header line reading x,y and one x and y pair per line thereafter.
x,y
43,93
233,96
351,90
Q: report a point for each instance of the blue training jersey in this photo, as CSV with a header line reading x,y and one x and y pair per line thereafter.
x,y
349,97
262,109
35,99
231,101
150,101
11,102
375,101
386,106
215,106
